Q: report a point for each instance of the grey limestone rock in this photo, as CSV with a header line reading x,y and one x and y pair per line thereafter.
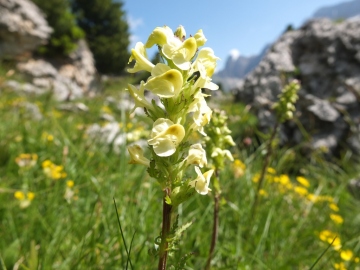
x,y
23,28
325,57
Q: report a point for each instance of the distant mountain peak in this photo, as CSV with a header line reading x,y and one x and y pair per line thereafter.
x,y
342,10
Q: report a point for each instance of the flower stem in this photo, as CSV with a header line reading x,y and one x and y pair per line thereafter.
x,y
215,231
166,224
264,169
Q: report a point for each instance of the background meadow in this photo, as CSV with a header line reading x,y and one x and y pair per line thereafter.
x,y
58,185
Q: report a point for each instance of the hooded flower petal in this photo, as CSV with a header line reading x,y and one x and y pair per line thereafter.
x,y
200,38
159,36
137,155
197,155
180,33
167,84
140,56
182,53
201,183
166,136
138,96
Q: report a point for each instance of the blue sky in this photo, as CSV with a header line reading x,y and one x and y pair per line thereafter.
x,y
242,25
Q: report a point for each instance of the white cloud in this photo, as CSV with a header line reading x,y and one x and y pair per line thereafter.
x,y
134,22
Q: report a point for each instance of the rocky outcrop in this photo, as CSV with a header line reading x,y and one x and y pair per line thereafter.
x,y
22,28
325,57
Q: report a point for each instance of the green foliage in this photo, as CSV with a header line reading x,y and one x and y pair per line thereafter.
x,y
81,231
106,31
66,32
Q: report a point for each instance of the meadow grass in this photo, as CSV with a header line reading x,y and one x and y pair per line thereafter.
x,y
61,214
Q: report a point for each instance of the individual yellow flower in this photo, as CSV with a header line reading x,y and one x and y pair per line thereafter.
x,y
357,260
19,195
303,181
346,255
141,60
256,178
336,218
46,163
271,170
137,155
70,183
201,183
30,196
181,53
301,191
165,82
197,155
340,266
207,59
201,113
180,33
334,207
165,137
138,96
284,179
263,193
200,38
160,36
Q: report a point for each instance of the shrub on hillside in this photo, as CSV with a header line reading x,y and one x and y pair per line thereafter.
x,y
106,31
66,32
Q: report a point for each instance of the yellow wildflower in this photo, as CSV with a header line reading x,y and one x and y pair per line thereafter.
x,y
301,191
334,207
263,193
303,181
70,183
30,196
357,260
330,237
284,179
340,266
256,178
46,163
271,170
336,218
346,255
19,195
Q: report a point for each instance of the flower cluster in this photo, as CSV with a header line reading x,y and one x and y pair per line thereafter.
x,y
285,107
218,139
184,70
26,160
52,170
24,198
